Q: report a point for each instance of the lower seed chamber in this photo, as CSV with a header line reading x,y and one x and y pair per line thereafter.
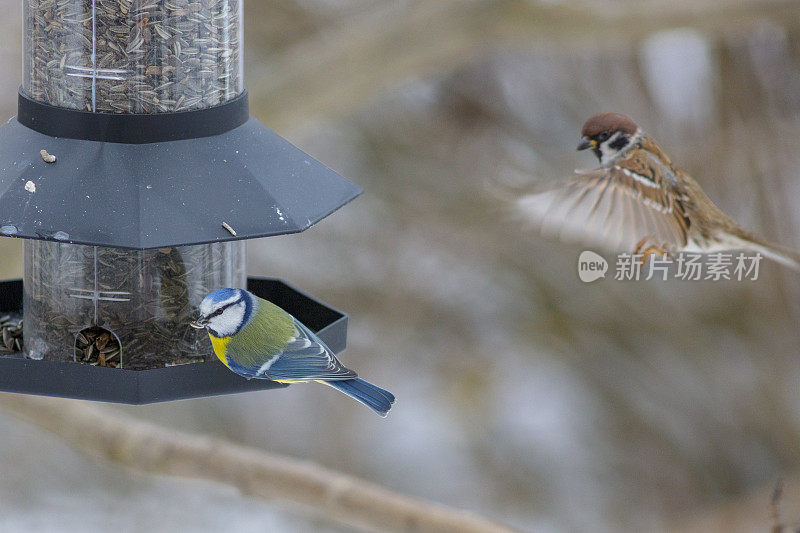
x,y
122,308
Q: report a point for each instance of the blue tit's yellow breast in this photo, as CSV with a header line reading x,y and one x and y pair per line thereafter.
x,y
220,345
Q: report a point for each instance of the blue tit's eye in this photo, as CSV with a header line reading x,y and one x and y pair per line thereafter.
x,y
217,312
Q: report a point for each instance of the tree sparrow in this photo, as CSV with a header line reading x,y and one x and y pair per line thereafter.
x,y
637,200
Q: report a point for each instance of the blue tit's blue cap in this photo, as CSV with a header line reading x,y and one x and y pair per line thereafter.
x,y
220,295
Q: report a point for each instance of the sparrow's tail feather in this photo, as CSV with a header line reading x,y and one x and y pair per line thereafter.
x,y
375,398
776,252
781,255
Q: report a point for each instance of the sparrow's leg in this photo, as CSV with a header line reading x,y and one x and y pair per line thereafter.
x,y
646,248
640,246
653,250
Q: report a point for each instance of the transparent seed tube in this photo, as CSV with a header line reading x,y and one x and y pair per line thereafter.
x,y
132,56
122,308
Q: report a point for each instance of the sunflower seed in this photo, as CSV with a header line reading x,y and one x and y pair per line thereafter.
x,y
197,39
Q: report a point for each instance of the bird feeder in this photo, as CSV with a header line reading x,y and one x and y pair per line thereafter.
x,y
134,172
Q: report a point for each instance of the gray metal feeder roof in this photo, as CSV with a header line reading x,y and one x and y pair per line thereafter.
x,y
161,194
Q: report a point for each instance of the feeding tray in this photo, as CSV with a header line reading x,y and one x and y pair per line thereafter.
x,y
190,380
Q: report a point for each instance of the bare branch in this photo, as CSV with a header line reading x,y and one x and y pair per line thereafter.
x,y
339,69
334,496
757,511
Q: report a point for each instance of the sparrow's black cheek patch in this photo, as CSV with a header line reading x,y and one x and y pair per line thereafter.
x,y
620,142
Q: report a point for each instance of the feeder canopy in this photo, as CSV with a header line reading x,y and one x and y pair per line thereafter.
x,y
154,195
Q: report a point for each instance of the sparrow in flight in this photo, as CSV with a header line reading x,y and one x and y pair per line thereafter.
x,y
638,201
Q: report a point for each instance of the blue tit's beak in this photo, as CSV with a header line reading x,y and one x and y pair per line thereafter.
x,y
586,143
197,324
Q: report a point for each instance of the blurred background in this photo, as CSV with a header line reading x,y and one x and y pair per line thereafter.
x,y
523,394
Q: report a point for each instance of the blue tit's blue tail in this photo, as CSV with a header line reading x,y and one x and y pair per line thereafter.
x,y
375,398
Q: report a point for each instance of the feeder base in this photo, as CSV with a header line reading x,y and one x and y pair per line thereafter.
x,y
193,380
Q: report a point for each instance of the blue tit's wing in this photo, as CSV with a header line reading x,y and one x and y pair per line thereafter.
x,y
306,358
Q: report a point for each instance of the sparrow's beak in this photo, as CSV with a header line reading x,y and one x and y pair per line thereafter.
x,y
197,324
586,143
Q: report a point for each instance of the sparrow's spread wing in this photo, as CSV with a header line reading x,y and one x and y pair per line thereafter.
x,y
614,207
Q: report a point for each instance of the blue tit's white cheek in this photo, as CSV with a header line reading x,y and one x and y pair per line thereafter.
x,y
229,322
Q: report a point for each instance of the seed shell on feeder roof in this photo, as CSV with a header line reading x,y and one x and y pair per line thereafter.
x,y
48,158
229,228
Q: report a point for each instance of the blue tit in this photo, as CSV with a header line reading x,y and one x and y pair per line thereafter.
x,y
257,339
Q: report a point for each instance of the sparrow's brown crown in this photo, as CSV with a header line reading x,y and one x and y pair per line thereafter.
x,y
608,122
